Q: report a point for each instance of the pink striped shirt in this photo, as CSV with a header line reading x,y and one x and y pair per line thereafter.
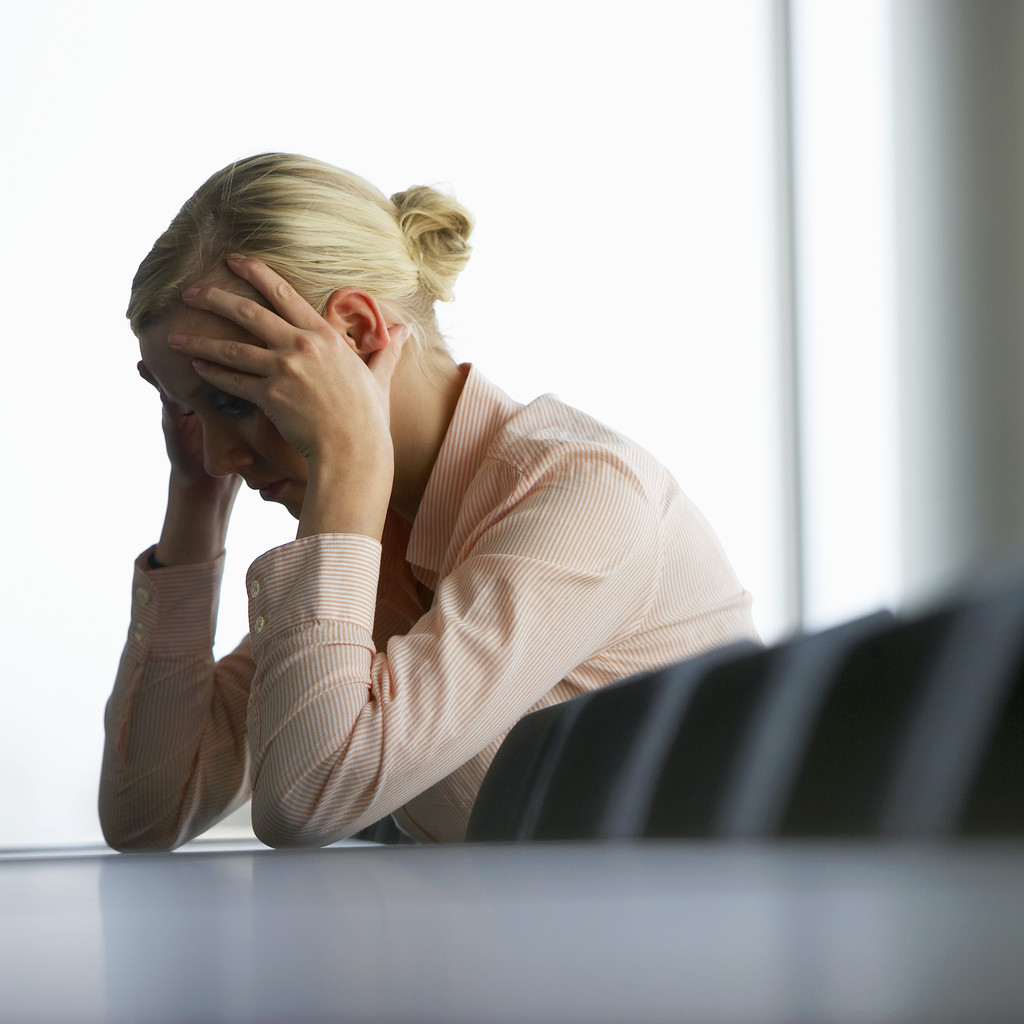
x,y
549,556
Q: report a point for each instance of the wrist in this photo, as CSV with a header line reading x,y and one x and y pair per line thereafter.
x,y
196,521
347,498
210,491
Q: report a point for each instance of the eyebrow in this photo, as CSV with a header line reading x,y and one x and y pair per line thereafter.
x,y
163,390
204,387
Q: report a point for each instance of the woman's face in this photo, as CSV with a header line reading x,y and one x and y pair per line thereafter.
x,y
237,437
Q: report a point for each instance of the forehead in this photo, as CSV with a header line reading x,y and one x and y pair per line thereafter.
x,y
173,370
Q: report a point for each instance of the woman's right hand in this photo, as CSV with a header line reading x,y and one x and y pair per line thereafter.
x,y
183,438
183,435
198,504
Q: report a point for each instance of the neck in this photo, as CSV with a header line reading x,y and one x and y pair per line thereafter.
x,y
423,400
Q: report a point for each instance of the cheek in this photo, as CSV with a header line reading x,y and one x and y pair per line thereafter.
x,y
269,441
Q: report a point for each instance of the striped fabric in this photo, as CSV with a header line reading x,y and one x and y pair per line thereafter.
x,y
549,556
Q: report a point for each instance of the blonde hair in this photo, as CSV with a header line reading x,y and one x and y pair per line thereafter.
x,y
319,227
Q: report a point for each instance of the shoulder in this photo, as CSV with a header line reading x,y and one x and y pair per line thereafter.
x,y
548,443
559,486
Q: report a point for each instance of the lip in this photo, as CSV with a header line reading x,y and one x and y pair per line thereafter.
x,y
269,492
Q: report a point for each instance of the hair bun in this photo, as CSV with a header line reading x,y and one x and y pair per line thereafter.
x,y
437,228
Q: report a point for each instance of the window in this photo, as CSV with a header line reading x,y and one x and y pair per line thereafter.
x,y
621,166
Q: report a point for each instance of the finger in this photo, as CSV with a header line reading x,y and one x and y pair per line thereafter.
x,y
383,362
262,323
399,334
284,298
231,382
235,355
292,310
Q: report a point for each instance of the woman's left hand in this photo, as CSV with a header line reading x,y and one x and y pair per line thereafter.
x,y
323,398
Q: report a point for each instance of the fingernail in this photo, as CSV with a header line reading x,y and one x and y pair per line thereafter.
x,y
189,293
177,340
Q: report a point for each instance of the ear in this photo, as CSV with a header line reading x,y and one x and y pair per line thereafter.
x,y
357,316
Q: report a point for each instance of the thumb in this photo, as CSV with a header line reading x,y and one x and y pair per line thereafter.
x,y
383,362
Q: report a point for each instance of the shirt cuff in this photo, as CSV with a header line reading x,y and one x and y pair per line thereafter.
x,y
328,577
174,609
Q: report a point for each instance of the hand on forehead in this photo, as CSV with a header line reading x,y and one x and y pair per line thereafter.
x,y
169,371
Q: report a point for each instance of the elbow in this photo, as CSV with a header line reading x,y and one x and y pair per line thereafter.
x,y
121,836
276,824
276,827
127,828
134,846
271,831
281,819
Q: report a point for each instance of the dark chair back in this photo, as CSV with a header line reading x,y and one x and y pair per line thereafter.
x,y
884,726
962,767
845,771
571,771
797,686
513,789
609,767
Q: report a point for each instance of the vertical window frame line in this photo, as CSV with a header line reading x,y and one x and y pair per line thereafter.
x,y
784,130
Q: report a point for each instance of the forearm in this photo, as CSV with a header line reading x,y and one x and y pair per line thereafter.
x,y
347,498
175,758
312,616
196,521
162,786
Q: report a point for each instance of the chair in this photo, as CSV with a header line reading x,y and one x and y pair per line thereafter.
x,y
903,727
676,791
962,767
798,684
384,831
506,807
570,771
844,773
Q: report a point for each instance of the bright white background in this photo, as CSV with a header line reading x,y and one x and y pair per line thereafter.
x,y
619,160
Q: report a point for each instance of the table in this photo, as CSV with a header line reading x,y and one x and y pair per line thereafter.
x,y
619,932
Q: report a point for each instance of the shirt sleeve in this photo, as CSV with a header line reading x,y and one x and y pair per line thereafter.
x,y
175,757
342,733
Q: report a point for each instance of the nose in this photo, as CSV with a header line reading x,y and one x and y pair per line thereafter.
x,y
225,451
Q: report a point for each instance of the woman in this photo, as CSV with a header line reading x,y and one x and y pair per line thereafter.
x,y
460,559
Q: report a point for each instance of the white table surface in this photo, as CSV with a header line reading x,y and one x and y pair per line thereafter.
x,y
624,933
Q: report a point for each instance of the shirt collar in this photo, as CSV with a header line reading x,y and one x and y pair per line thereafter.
x,y
482,410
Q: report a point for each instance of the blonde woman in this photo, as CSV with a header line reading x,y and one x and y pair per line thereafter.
x,y
460,559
